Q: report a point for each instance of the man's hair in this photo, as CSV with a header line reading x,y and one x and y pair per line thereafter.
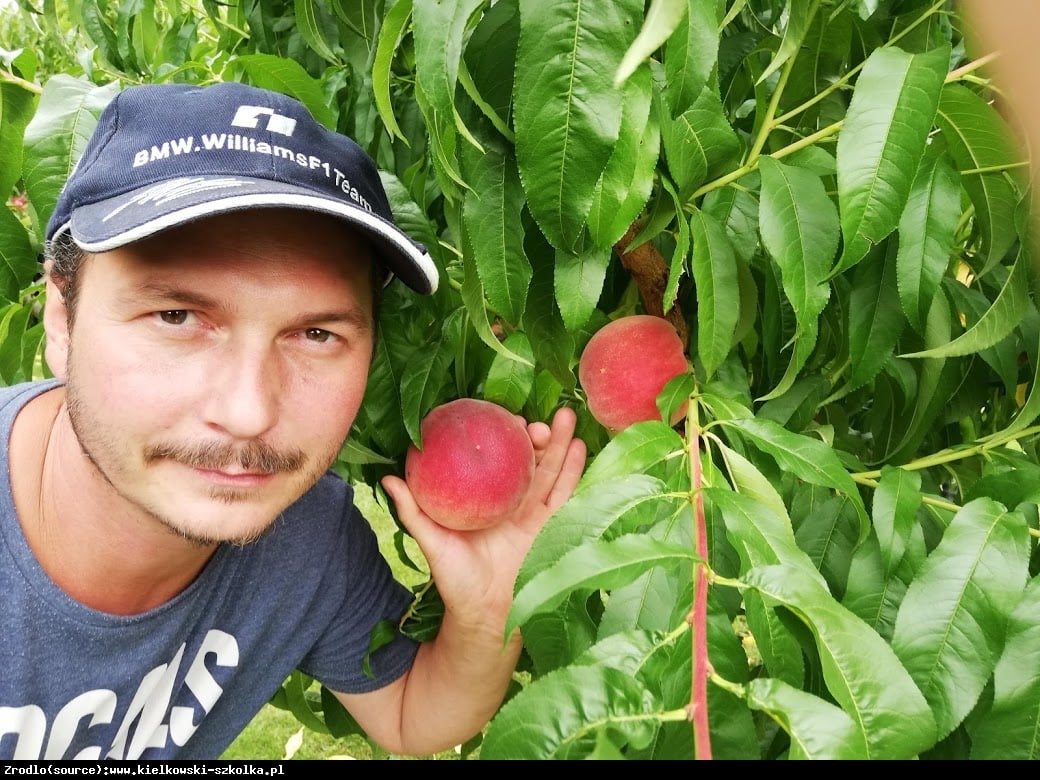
x,y
63,260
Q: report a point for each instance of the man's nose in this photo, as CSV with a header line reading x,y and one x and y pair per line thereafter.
x,y
246,391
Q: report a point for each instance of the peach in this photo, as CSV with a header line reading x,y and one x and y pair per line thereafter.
x,y
624,367
475,465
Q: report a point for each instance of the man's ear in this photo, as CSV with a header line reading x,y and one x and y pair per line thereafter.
x,y
56,328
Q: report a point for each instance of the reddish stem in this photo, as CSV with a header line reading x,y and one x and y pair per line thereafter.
x,y
699,616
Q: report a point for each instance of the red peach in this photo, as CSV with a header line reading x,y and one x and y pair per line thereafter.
x,y
624,367
475,465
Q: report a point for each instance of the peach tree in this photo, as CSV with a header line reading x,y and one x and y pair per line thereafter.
x,y
834,554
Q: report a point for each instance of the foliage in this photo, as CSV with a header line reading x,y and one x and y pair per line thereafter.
x,y
834,557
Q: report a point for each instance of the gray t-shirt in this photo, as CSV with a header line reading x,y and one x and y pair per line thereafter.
x,y
184,679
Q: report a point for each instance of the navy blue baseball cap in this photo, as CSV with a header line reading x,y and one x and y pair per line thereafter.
x,y
166,154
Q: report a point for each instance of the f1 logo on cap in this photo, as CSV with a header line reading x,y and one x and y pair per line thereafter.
x,y
247,116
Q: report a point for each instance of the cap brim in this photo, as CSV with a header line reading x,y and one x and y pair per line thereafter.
x,y
138,214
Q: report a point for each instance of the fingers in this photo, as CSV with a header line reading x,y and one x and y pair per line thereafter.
x,y
561,459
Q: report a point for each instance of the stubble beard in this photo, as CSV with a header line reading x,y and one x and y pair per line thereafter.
x,y
255,456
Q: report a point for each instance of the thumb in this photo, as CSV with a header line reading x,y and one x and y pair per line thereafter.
x,y
420,525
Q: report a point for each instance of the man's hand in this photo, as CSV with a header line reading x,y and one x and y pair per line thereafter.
x,y
460,678
475,570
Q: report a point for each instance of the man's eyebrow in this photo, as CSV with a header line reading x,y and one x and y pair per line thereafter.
x,y
165,292
179,297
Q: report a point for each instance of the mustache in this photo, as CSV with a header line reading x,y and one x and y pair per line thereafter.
x,y
254,457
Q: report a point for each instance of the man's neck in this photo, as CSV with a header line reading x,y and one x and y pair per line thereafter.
x,y
101,550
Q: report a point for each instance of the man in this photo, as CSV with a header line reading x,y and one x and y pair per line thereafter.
x,y
172,545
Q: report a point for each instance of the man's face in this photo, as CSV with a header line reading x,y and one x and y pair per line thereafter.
x,y
213,372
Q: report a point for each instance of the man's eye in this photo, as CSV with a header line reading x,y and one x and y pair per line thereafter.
x,y
174,316
318,335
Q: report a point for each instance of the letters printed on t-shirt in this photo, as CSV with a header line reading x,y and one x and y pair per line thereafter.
x,y
150,720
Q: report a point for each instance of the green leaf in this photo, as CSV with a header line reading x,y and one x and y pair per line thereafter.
x,y
589,514
662,18
926,234
425,374
595,564
567,113
800,230
875,317
509,382
818,729
807,458
896,500
559,715
862,673
699,143
690,55
491,211
749,481
1003,316
579,283
1009,730
883,137
718,300
16,109
18,262
625,186
980,144
553,346
951,625
312,22
287,76
799,18
391,34
439,30
638,449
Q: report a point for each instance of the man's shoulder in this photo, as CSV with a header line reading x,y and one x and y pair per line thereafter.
x,y
19,394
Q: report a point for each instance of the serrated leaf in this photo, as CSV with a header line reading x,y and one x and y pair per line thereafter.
x,y
555,715
1010,728
799,18
567,113
691,55
718,300
281,74
425,374
926,234
808,458
595,564
552,344
56,136
662,19
491,216
881,141
818,729
18,262
439,30
980,143
16,109
391,33
309,22
627,181
875,317
699,143
951,625
896,501
800,230
589,514
638,449
579,284
509,382
1000,319
862,673
749,481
